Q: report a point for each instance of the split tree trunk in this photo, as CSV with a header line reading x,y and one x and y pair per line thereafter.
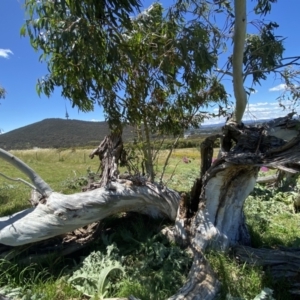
x,y
219,221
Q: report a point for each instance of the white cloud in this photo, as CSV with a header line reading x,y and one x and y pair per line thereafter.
x,y
5,53
278,88
217,120
258,111
258,104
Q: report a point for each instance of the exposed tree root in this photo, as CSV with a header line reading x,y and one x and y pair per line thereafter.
x,y
201,283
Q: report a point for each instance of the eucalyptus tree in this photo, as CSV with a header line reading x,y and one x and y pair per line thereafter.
x,y
132,67
243,149
214,219
159,50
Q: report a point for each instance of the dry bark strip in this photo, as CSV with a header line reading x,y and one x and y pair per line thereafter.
x,y
267,179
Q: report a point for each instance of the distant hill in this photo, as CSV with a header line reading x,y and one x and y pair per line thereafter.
x,y
58,133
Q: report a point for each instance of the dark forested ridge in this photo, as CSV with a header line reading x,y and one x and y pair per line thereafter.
x,y
58,133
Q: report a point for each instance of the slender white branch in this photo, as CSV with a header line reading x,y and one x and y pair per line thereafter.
x,y
42,187
18,179
167,159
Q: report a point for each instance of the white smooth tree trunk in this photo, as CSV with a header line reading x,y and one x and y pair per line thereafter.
x,y
240,26
59,213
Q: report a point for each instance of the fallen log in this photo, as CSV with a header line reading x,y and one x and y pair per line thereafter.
x,y
60,213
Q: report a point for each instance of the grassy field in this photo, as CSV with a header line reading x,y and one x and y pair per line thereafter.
x,y
62,170
149,266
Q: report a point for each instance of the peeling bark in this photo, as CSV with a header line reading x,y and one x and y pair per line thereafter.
x,y
267,179
219,220
207,151
284,128
110,152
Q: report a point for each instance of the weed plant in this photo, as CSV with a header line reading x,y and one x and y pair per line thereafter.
x,y
155,268
32,282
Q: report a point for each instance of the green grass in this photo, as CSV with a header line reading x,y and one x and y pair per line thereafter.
x,y
33,282
272,219
52,165
61,170
155,269
58,169
238,280
180,175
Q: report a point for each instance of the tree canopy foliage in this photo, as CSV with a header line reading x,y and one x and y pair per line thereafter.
x,y
166,63
117,61
80,41
164,71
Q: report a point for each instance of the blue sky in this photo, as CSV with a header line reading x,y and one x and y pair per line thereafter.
x,y
20,69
